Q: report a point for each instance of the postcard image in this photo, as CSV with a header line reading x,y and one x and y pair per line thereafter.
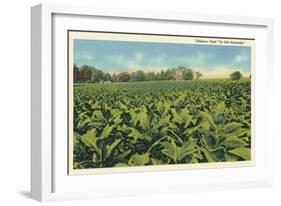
x,y
142,102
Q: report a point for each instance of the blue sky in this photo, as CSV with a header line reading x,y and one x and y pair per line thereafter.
x,y
119,56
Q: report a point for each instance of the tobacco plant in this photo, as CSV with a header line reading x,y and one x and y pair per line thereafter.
x,y
163,122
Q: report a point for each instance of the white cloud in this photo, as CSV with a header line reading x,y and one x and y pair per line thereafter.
x,y
141,61
86,56
132,67
138,56
241,58
199,56
159,59
117,60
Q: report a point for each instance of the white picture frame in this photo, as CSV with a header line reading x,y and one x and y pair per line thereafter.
x,y
50,181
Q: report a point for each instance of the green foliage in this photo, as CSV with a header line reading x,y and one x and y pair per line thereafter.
x,y
139,76
76,74
244,153
150,76
86,73
187,74
156,123
198,75
139,160
236,75
97,75
123,77
168,75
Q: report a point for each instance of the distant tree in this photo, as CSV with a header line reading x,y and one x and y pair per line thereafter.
x,y
114,78
150,76
162,75
198,75
86,73
76,73
133,77
97,75
178,72
123,77
107,77
187,74
168,75
236,75
139,75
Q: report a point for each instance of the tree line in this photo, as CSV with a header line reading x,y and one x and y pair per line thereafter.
x,y
91,74
88,74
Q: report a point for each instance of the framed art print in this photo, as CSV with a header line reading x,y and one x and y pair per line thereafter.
x,y
127,103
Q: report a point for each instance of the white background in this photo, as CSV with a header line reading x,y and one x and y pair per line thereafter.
x,y
15,103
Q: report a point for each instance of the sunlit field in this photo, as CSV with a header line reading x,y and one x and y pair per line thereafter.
x,y
161,122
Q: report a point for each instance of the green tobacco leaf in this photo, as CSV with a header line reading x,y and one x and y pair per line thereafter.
x,y
160,107
186,117
175,136
176,117
220,108
134,117
110,148
234,142
122,106
96,105
139,160
170,149
160,123
95,158
140,117
90,139
158,142
106,131
124,155
232,127
244,153
210,139
115,112
164,131
231,158
238,132
116,116
208,118
143,117
181,117
156,161
76,138
83,122
186,149
193,160
208,155
97,114
135,134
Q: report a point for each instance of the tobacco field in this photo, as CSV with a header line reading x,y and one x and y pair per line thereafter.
x,y
161,122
